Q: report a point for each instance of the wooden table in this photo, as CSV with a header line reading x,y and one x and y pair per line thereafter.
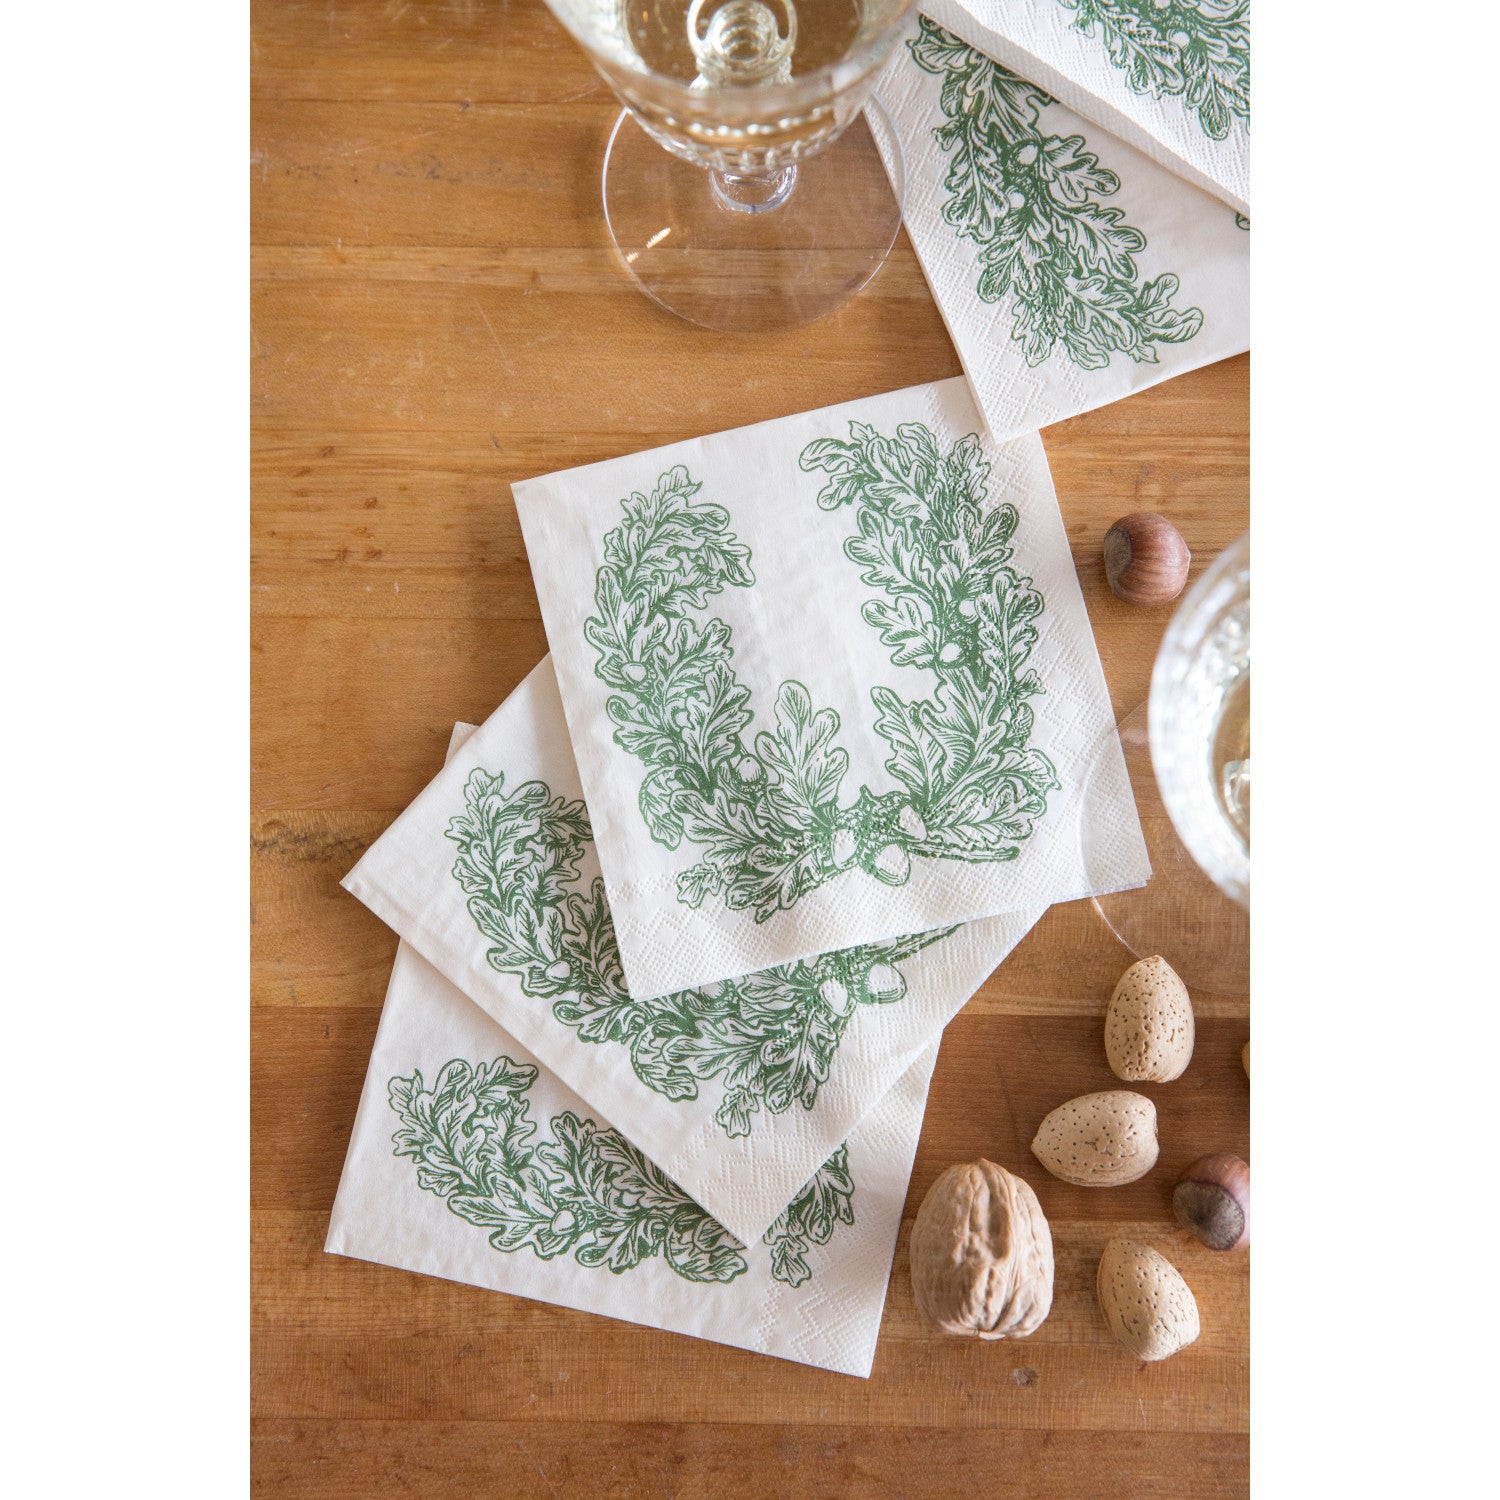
x,y
437,313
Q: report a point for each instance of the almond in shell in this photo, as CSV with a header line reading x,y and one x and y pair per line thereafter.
x,y
1099,1140
1150,1309
1148,1028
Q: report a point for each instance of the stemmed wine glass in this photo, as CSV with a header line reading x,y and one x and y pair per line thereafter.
x,y
1187,752
741,187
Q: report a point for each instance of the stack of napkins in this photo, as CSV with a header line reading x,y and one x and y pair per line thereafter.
x,y
822,733
472,1160
683,921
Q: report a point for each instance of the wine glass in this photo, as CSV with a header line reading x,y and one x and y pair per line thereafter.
x,y
1200,721
1187,753
741,187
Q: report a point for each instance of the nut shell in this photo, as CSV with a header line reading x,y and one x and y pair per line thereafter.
x,y
1099,1140
981,1254
1145,559
1148,1027
1212,1201
1148,1306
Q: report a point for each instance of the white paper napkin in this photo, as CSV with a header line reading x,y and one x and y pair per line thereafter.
x,y
737,1091
1171,77
469,1160
829,680
1071,270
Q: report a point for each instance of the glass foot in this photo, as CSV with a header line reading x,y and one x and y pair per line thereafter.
x,y
1179,913
746,255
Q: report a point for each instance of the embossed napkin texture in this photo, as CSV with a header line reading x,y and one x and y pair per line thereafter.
x,y
470,1160
829,680
1169,77
738,1091
1071,269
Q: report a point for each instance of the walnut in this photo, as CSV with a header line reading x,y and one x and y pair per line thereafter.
x,y
981,1254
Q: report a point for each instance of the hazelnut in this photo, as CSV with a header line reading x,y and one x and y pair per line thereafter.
x,y
1212,1202
981,1254
1145,559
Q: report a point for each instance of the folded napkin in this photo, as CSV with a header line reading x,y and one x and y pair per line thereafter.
x,y
1171,77
1071,270
737,1091
469,1160
829,681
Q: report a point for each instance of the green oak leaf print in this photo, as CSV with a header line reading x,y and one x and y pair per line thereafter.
x,y
1195,50
768,1038
587,1192
811,1218
766,812
1031,202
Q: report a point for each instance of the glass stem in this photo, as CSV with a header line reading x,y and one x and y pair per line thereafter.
x,y
754,192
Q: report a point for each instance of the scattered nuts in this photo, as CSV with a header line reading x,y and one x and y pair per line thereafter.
x,y
1212,1202
1145,559
981,1254
1099,1140
1245,1058
1145,1301
1148,1028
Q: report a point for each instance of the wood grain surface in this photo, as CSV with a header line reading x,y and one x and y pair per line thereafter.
x,y
437,313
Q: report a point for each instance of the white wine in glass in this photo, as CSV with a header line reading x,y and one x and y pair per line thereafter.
x,y
824,32
741,187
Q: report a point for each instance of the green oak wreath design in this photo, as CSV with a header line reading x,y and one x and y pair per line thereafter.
x,y
766,813
587,1192
1030,202
1195,50
769,1037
